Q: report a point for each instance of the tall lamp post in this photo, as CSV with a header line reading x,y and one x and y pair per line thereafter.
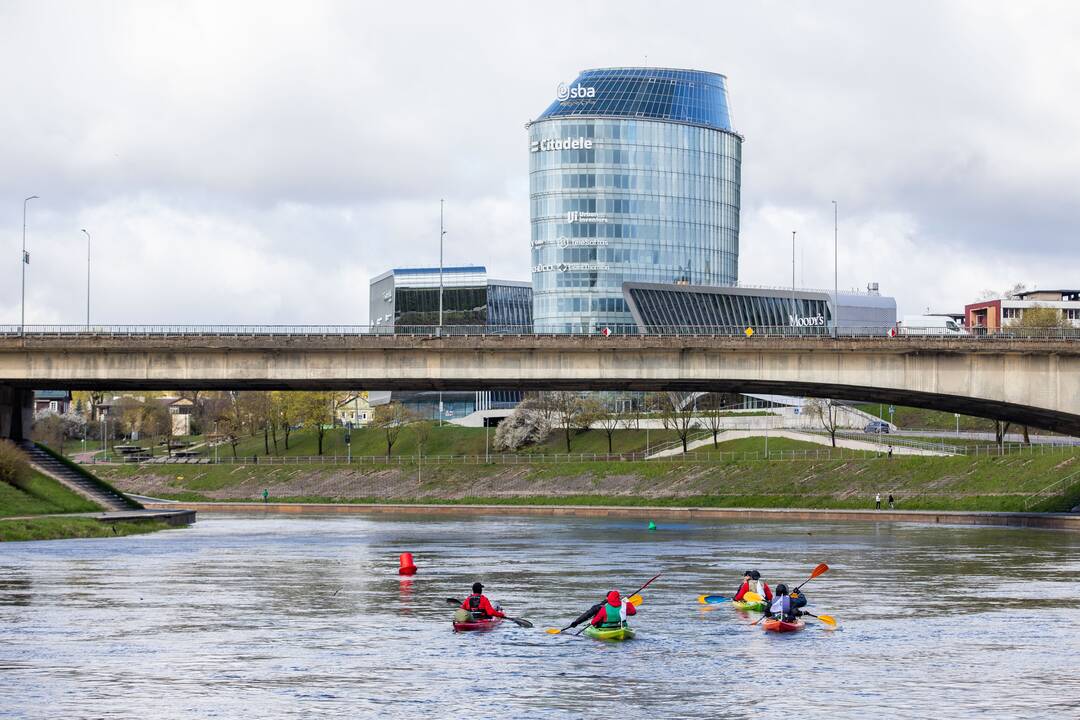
x,y
794,302
836,271
25,262
87,279
442,234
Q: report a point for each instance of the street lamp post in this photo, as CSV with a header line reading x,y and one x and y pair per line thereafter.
x,y
836,266
25,262
794,302
442,233
87,279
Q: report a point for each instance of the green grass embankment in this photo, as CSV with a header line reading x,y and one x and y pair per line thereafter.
x,y
41,495
1007,482
63,528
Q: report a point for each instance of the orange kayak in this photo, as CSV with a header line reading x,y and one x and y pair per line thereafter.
x,y
781,626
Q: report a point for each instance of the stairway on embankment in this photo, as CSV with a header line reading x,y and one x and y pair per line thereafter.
x,y
78,480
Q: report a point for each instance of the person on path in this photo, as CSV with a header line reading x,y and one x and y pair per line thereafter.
x,y
890,452
783,607
266,495
892,502
478,606
613,612
877,501
752,582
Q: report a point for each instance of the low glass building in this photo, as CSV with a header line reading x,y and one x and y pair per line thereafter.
x,y
681,308
406,300
634,175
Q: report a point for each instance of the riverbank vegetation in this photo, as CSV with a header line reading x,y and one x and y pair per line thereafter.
x,y
1045,482
65,528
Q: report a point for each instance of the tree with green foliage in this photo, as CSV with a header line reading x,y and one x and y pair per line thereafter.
x,y
1040,316
316,410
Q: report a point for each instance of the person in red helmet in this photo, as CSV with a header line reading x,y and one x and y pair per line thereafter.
x,y
613,611
478,606
752,582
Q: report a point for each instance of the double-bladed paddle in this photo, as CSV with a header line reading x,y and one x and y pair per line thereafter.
x,y
827,619
520,622
594,609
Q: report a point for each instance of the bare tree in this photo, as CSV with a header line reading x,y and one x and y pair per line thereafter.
x,y
608,421
826,413
422,432
714,421
157,422
569,408
678,415
391,419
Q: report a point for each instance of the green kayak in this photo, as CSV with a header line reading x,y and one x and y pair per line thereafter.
x,y
620,633
748,606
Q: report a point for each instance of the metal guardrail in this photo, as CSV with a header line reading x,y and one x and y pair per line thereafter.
x,y
823,333
1050,490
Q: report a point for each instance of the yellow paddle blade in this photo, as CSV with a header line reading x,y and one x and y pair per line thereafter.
x,y
752,597
827,619
636,600
701,599
553,631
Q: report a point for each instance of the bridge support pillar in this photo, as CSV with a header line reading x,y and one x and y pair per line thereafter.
x,y
16,413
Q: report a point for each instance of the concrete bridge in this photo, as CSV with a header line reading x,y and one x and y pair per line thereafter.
x,y
1030,381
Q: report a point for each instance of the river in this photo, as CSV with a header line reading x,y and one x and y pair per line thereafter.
x,y
276,616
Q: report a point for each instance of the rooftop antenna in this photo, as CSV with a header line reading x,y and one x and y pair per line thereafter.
x,y
646,61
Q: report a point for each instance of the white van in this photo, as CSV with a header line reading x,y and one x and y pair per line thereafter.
x,y
930,325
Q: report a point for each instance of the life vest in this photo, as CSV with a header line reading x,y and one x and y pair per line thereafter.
x,y
611,611
781,605
798,600
760,588
473,603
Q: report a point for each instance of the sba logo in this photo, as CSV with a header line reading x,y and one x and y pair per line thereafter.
x,y
565,92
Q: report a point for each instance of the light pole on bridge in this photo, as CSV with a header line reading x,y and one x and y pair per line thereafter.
x,y
25,261
87,279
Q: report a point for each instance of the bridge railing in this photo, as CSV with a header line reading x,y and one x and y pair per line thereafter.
x,y
929,333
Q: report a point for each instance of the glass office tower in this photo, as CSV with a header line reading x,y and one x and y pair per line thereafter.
x,y
634,176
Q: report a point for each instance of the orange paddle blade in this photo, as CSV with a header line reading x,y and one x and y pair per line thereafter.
x,y
819,570
635,600
553,631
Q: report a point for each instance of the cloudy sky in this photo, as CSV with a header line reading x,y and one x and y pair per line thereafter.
x,y
259,162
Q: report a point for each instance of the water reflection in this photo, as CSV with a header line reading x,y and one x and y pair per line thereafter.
x,y
295,617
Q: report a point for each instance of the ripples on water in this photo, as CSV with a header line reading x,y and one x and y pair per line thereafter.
x,y
253,616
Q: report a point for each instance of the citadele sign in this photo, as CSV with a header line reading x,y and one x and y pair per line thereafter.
x,y
579,143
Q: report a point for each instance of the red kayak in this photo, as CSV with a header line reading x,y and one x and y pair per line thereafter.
x,y
781,626
485,624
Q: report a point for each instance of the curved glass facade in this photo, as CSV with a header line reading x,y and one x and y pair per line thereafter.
x,y
634,176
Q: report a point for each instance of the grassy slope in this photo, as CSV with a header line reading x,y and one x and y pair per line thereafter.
x,y
961,483
42,495
61,528
445,440
909,418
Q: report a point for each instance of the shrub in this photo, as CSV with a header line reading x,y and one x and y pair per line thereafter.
x,y
14,465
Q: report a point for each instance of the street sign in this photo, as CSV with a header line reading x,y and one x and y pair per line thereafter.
x,y
748,332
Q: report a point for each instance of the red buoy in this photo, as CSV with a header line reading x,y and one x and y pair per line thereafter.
x,y
406,565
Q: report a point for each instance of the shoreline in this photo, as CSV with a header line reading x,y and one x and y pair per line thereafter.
x,y
1049,521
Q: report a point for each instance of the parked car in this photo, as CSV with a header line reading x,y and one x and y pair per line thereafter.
x,y
877,427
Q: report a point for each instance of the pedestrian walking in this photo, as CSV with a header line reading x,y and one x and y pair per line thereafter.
x,y
892,502
890,452
266,495
877,501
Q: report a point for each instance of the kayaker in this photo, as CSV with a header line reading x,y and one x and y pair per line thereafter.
x,y
752,582
613,611
478,606
783,607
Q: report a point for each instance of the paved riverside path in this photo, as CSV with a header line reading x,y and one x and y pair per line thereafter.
x,y
841,442
1053,521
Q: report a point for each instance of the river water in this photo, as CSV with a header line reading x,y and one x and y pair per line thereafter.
x,y
275,616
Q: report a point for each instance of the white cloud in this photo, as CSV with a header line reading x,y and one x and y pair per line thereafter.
x,y
258,162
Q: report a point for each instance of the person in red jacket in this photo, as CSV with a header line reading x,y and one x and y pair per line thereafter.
x,y
613,612
478,606
752,583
